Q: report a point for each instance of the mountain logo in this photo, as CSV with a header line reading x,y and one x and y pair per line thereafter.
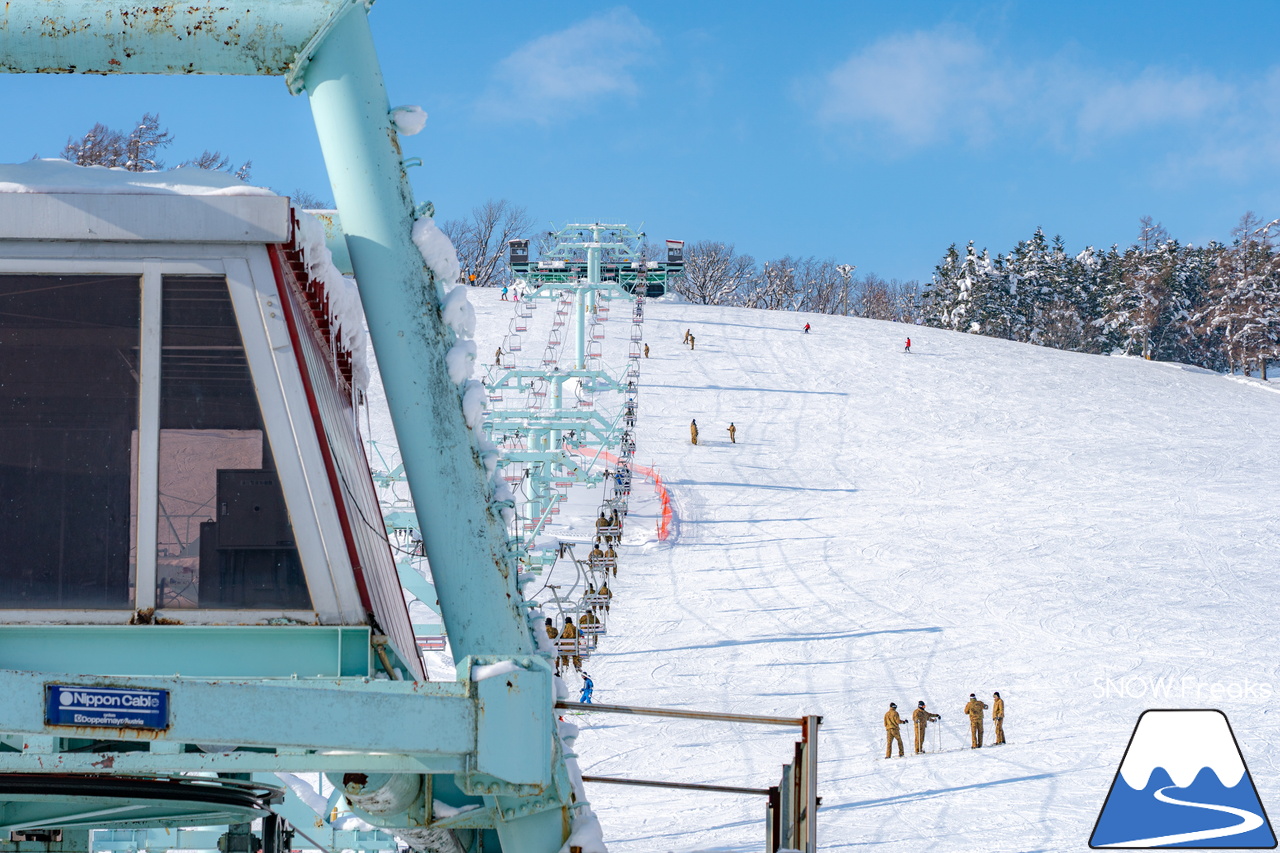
x,y
1183,783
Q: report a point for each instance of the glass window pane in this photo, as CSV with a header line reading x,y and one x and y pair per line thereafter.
x,y
224,537
68,414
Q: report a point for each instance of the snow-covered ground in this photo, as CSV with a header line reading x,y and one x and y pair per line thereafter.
x,y
977,515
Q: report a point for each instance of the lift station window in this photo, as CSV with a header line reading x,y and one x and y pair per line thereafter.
x,y
70,442
224,539
68,414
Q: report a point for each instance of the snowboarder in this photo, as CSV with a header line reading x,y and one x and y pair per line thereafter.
x,y
693,436
733,433
497,357
922,719
891,723
806,328
646,350
688,333
504,293
997,716
974,709
908,349
588,686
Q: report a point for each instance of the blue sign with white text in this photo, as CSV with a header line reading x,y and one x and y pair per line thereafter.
x,y
113,707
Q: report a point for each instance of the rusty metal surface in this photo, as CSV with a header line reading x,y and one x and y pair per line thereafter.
x,y
254,37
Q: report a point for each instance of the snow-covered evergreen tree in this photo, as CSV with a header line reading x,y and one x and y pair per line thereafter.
x,y
1243,304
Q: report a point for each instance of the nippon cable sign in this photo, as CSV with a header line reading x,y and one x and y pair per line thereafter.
x,y
110,707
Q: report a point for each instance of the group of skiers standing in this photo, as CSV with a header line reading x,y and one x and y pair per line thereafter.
x,y
693,432
921,717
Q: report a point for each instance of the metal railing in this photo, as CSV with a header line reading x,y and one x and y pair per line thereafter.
x,y
791,816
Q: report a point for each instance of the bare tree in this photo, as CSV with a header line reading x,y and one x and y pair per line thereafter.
x,y
216,161
134,151
137,150
308,200
481,239
774,289
101,146
714,274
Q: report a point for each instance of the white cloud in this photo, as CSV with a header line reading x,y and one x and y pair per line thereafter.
x,y
1156,97
925,89
919,89
579,66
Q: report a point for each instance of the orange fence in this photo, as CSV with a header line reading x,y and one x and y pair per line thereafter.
x,y
664,518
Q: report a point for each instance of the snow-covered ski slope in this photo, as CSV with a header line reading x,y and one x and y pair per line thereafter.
x,y
976,515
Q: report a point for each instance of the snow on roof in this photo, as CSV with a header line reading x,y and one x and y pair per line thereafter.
x,y
55,175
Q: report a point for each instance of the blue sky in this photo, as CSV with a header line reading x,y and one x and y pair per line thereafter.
x,y
875,134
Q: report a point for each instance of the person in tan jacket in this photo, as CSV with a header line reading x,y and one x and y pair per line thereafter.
x,y
733,434
974,709
922,719
997,715
693,430
569,646
891,723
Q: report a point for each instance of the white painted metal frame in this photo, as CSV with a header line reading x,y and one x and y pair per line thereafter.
x,y
282,398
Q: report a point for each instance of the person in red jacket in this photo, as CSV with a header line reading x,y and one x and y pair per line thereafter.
x,y
908,349
806,328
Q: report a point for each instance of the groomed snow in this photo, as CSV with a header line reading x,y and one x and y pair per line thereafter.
x,y
1074,531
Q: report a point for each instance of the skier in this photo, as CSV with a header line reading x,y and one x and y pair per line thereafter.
x,y
688,333
611,560
997,715
693,436
922,719
733,432
587,625
504,293
570,632
588,686
891,723
601,524
497,357
806,328
596,557
646,350
974,709
607,593
691,346
552,634
908,349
